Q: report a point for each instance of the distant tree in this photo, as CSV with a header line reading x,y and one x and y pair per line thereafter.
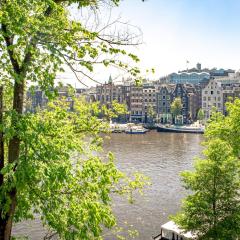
x,y
200,115
151,114
176,108
114,111
212,211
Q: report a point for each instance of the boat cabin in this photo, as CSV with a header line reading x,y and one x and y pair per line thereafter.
x,y
170,231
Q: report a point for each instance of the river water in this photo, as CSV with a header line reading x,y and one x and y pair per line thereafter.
x,y
160,156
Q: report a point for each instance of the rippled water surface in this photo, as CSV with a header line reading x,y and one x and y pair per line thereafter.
x,y
161,156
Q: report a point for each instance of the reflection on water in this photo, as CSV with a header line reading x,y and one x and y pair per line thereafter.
x,y
161,156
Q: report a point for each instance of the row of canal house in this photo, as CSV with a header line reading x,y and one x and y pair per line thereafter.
x,y
218,92
150,102
145,103
190,96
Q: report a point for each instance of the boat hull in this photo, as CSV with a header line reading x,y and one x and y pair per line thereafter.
x,y
179,130
133,132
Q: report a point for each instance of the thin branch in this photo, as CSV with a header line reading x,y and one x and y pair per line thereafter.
x,y
9,43
75,71
119,43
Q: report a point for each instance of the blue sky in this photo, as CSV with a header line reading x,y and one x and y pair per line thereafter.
x,y
205,31
174,31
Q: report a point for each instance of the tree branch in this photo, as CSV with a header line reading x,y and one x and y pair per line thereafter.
x,y
9,43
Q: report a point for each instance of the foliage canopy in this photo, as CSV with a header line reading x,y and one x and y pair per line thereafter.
x,y
38,38
212,211
200,114
176,107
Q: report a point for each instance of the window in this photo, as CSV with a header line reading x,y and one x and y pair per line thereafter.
x,y
211,92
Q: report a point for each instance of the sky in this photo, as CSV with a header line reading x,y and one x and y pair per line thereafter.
x,y
177,31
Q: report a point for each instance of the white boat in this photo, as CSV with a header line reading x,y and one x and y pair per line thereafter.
x,y
135,130
118,128
193,128
170,231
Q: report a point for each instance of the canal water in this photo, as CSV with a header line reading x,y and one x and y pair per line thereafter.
x,y
161,157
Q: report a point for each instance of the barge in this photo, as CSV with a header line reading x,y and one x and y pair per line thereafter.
x,y
180,129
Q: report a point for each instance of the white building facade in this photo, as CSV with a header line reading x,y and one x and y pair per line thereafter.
x,y
212,98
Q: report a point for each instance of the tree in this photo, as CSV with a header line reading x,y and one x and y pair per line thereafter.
x,y
151,113
176,107
200,115
113,111
212,211
37,40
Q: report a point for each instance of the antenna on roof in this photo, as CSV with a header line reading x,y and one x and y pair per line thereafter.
x,y
187,62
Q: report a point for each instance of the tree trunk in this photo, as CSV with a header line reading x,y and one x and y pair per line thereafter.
x,y
18,103
2,221
13,155
1,136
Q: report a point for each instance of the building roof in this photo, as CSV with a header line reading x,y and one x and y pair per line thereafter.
x,y
190,73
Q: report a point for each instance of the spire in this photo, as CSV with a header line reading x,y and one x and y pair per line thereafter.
x,y
110,79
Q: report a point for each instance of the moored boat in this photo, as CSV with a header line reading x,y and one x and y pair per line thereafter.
x,y
136,130
180,129
171,231
118,128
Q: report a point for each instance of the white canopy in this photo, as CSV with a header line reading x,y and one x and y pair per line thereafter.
x,y
172,227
